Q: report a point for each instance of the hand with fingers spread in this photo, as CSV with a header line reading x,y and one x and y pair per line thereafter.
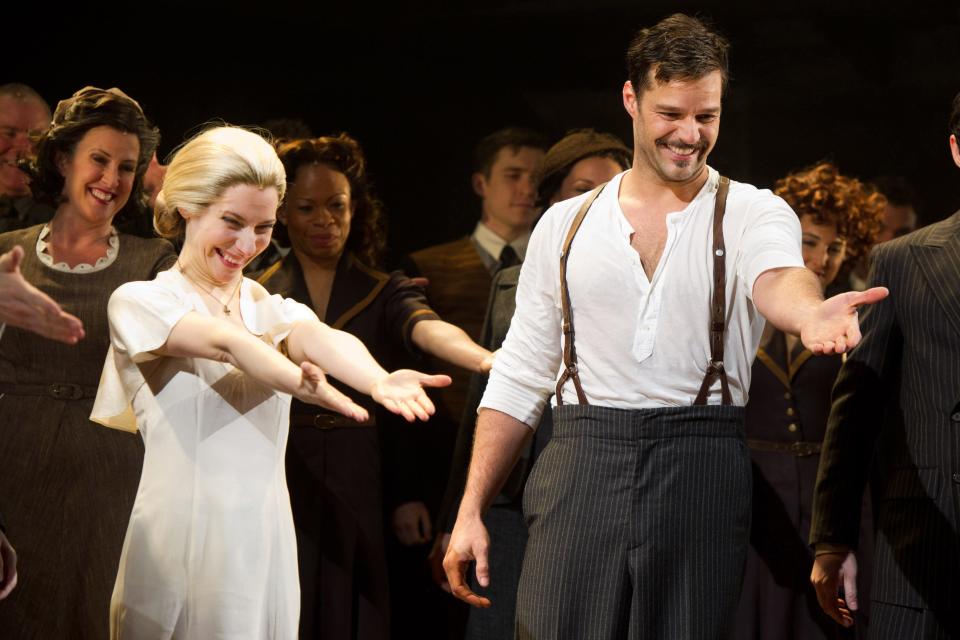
x,y
23,305
829,570
834,326
315,389
8,567
401,392
469,542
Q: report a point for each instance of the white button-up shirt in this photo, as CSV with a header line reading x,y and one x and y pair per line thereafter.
x,y
641,343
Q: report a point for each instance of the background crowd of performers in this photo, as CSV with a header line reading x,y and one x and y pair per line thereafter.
x,y
86,206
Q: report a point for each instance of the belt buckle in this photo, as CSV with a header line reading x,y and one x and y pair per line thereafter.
x,y
324,421
65,391
801,449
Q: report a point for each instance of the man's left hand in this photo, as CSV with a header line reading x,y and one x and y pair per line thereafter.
x,y
833,327
830,570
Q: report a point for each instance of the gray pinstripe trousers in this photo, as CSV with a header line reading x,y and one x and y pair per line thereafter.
x,y
893,622
638,523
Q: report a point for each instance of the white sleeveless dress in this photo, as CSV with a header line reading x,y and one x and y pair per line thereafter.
x,y
210,551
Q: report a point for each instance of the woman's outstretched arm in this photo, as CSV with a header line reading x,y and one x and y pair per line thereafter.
x,y
345,358
199,336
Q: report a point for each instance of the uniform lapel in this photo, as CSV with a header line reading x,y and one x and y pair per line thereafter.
x,y
355,286
774,357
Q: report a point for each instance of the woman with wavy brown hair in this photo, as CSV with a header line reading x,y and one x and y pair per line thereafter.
x,y
786,420
337,234
66,485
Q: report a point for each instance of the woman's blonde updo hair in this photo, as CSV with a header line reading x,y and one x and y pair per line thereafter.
x,y
207,165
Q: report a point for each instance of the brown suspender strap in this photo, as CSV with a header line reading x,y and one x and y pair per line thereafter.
x,y
569,350
718,304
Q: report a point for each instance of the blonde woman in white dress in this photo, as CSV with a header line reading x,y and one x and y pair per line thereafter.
x,y
203,363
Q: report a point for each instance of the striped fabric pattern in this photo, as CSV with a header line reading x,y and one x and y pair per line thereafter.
x,y
638,524
896,419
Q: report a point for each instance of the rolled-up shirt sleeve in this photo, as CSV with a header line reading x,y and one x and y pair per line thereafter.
x,y
525,370
771,240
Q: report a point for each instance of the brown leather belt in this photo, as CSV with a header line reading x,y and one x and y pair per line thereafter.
x,y
800,449
328,421
58,390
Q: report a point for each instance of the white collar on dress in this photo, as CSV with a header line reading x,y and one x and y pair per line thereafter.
x,y
102,263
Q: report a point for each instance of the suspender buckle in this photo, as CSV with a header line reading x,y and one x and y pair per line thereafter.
x,y
572,369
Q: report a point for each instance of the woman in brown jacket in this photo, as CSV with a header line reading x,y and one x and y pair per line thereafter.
x,y
336,229
787,418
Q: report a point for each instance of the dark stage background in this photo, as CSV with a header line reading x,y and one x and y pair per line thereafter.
x,y
867,85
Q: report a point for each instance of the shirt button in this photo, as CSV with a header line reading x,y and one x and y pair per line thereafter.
x,y
792,428
956,417
956,478
787,396
790,411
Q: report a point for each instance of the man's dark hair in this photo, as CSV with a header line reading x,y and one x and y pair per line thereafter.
x,y
681,48
487,149
955,117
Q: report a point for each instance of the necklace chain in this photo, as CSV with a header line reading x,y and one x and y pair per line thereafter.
x,y
225,305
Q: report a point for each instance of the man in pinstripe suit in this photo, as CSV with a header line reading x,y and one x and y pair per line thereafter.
x,y
896,406
638,508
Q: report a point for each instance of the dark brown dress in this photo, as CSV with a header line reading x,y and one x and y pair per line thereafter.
x,y
66,484
333,470
788,408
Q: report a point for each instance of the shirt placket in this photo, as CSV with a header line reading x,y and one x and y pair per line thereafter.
x,y
648,318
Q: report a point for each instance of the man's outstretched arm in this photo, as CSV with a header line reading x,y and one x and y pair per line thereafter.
x,y
791,298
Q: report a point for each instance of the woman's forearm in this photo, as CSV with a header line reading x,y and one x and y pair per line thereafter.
x,y
198,336
450,343
336,352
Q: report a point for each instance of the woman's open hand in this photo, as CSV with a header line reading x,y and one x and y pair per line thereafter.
x,y
315,389
402,393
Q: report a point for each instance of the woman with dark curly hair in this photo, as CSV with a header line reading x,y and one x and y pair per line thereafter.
x,y
787,417
337,233
67,486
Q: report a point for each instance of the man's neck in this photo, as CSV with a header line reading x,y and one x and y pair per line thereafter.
x,y
505,232
646,186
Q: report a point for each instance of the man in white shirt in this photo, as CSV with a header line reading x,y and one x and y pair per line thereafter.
x,y
638,509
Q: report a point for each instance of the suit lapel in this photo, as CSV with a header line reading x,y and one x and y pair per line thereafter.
x,y
939,261
503,302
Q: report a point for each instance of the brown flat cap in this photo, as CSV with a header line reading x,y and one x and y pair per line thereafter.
x,y
575,146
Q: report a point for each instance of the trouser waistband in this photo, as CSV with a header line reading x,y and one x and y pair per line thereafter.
x,y
715,421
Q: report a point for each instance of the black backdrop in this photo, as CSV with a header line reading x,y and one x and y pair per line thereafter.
x,y
865,84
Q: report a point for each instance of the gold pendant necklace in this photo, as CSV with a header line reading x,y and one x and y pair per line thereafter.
x,y
225,305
